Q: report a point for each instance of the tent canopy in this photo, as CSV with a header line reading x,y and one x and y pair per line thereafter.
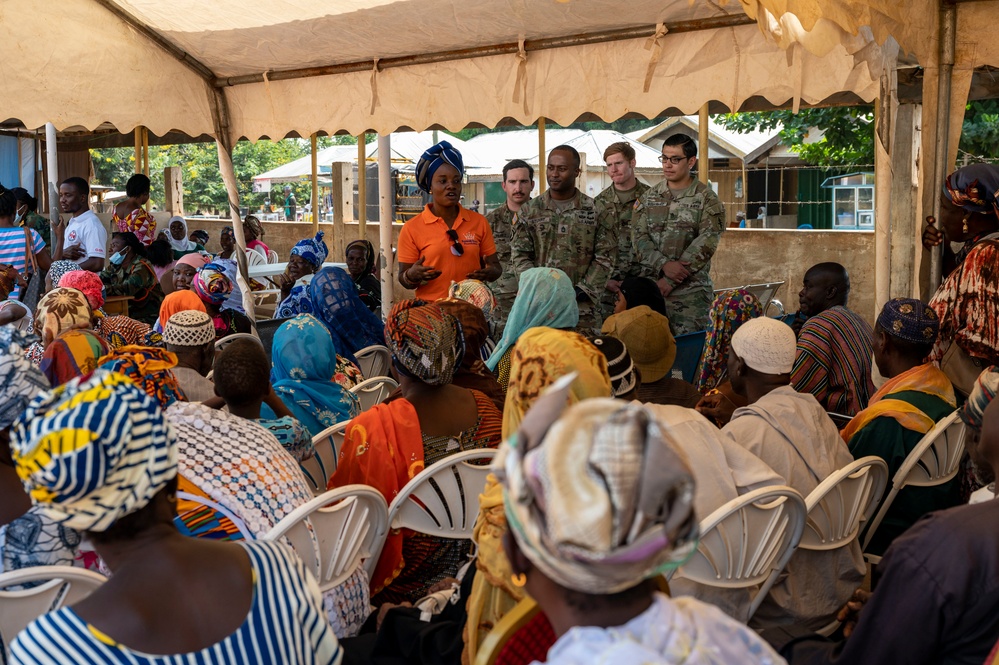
x,y
373,65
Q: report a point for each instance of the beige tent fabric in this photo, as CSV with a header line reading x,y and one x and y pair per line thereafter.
x,y
99,69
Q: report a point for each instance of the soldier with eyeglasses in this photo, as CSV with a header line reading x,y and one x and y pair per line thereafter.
x,y
677,227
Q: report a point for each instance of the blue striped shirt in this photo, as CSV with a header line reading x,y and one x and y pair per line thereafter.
x,y
286,624
12,249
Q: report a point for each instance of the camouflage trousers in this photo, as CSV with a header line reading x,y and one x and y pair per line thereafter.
x,y
504,301
589,319
688,312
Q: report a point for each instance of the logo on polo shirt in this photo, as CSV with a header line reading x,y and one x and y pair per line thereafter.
x,y
470,239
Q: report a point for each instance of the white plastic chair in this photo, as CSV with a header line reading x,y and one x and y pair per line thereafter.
x,y
374,361
374,390
229,339
255,258
319,468
443,499
934,461
272,257
240,525
840,503
63,585
337,532
747,542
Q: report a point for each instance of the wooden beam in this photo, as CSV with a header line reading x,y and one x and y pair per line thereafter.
x,y
704,163
542,158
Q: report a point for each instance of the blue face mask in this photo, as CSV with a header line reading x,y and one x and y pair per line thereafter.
x,y
117,258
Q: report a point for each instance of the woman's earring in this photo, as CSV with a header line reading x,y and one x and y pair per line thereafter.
x,y
964,224
519,580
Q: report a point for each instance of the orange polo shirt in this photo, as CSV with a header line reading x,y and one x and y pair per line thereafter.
x,y
426,235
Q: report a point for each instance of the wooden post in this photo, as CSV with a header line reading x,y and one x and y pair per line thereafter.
x,y
145,151
315,186
702,147
386,199
362,186
542,158
904,202
340,195
137,132
173,190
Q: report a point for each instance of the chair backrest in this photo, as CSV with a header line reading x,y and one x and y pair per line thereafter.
x,y
319,468
244,531
748,541
272,257
443,499
839,420
229,339
689,348
62,585
764,292
934,461
841,502
255,258
374,360
374,390
337,532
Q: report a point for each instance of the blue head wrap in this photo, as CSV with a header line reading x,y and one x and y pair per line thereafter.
x,y
313,250
974,187
432,159
909,320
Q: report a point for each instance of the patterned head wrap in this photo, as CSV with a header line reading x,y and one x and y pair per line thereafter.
x,y
59,310
474,328
974,188
20,380
179,301
541,357
73,353
254,225
475,292
910,320
8,279
730,310
227,230
119,331
596,495
545,297
425,341
313,250
369,254
149,369
60,268
93,451
87,282
981,395
211,284
335,302
201,236
433,159
619,365
189,328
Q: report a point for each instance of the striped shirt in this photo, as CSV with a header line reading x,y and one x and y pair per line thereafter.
x,y
286,624
12,250
833,361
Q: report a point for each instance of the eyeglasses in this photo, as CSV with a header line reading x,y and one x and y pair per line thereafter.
x,y
456,247
672,160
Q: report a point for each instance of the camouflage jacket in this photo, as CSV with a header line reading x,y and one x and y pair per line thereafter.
x,y
501,222
623,212
685,226
580,240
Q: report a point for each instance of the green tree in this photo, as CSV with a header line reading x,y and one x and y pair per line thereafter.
x,y
847,132
980,133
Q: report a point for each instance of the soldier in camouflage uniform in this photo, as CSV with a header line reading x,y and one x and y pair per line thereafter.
x,y
518,181
677,226
564,228
619,199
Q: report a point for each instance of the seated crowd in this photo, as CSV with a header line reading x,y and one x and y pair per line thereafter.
x,y
153,450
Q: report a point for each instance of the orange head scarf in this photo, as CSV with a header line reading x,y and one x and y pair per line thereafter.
x,y
179,301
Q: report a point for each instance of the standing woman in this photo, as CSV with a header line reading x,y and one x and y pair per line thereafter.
x,y
178,239
361,266
213,287
446,242
27,214
129,274
130,215
13,240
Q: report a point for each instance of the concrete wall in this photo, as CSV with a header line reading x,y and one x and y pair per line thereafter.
x,y
754,256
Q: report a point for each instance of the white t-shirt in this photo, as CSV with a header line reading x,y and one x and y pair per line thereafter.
x,y
87,231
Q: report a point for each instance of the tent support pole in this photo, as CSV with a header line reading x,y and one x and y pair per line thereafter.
x,y
542,158
948,37
52,166
702,140
315,185
362,188
385,205
223,141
